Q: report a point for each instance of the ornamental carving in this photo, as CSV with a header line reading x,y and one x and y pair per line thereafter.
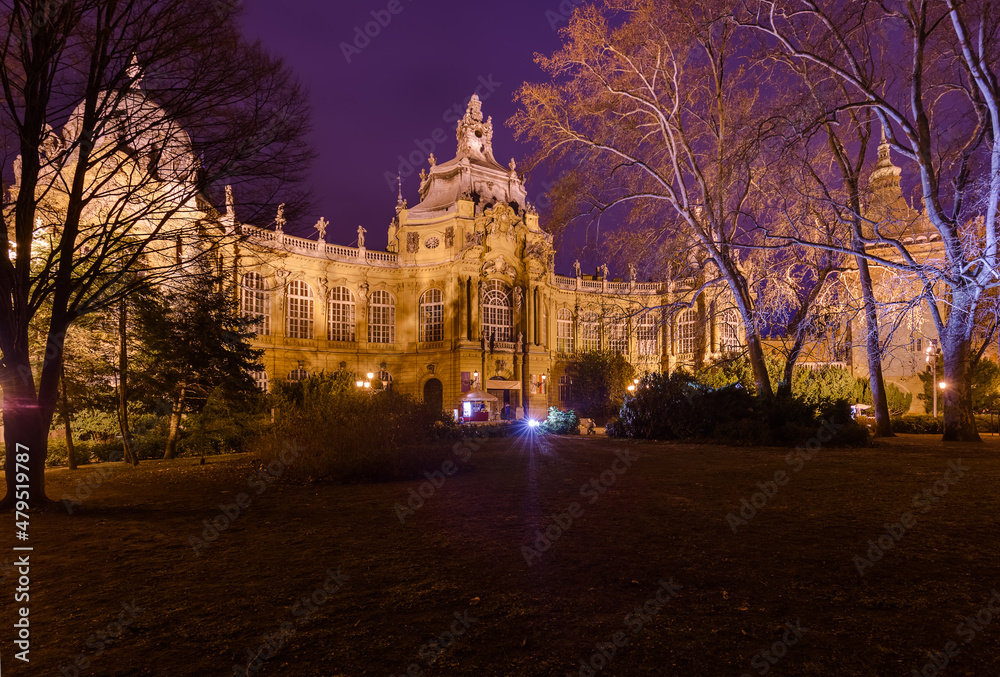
x,y
449,236
412,243
432,242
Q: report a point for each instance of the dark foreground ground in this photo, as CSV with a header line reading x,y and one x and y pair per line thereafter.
x,y
456,574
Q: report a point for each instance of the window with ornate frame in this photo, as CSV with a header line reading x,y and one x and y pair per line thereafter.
x,y
299,374
432,316
564,330
729,332
255,301
616,329
300,310
590,332
497,318
381,317
645,334
687,322
343,321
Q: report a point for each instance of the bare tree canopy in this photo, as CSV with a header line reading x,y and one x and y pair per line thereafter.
x,y
121,123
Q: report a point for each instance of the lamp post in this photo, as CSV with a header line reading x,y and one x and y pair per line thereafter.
x,y
932,353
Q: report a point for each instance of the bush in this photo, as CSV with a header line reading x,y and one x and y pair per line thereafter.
x,y
918,423
679,407
561,422
897,400
348,435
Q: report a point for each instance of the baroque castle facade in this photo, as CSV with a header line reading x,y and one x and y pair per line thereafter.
x,y
464,297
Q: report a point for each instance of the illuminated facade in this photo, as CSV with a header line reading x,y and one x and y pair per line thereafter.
x,y
466,286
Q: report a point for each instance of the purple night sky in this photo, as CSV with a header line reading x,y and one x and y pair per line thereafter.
x,y
408,84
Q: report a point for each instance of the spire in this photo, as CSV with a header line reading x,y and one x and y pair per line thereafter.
x,y
475,137
134,72
399,181
885,177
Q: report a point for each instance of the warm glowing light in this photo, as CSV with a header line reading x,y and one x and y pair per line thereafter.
x,y
370,376
635,381
543,377
359,384
631,388
368,384
942,385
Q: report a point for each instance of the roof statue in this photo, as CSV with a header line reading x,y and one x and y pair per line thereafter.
x,y
279,220
361,236
576,268
321,228
230,206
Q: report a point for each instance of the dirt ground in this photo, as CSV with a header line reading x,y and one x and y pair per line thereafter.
x,y
327,581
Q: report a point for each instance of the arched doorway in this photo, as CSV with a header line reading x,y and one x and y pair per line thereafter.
x,y
434,394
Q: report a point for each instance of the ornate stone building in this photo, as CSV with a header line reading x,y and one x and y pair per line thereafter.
x,y
464,296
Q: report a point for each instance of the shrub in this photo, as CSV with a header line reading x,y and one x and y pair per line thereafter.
x,y
561,422
679,407
897,399
348,435
917,423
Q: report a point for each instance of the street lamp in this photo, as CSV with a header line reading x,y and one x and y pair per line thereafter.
x,y
932,353
631,388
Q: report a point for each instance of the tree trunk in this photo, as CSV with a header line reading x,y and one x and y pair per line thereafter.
x,y
761,379
130,456
70,458
959,420
873,349
175,425
24,432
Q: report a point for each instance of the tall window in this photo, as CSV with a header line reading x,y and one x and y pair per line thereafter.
x,y
496,311
729,332
564,330
432,316
300,310
686,322
385,377
565,388
260,378
298,374
382,318
343,315
645,334
590,332
617,332
255,301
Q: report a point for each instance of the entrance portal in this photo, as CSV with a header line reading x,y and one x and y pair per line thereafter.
x,y
434,394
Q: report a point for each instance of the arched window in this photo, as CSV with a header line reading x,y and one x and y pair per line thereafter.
x,y
260,378
432,316
564,330
385,377
729,332
300,310
645,334
382,318
590,332
686,322
255,301
496,311
298,374
617,332
343,318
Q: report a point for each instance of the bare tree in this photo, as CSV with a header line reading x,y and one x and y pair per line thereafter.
x,y
153,118
939,77
665,109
